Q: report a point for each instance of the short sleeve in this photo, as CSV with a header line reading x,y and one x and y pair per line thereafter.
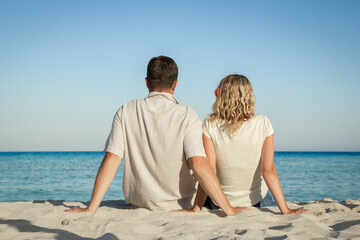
x,y
206,128
193,145
115,142
268,127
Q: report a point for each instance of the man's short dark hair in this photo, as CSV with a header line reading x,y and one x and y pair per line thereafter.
x,y
162,72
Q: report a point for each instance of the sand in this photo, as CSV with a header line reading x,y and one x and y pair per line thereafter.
x,y
115,220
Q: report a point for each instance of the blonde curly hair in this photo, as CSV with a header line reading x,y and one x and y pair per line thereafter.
x,y
235,103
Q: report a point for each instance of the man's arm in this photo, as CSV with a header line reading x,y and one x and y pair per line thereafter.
x,y
209,182
211,155
104,178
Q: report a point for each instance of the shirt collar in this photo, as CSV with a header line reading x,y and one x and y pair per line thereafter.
x,y
163,95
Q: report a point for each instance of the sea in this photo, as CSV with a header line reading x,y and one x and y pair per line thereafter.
x,y
70,176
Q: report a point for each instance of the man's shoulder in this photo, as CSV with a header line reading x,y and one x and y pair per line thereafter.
x,y
188,110
128,105
132,103
182,110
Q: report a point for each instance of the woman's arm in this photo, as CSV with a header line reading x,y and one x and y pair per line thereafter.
x,y
271,177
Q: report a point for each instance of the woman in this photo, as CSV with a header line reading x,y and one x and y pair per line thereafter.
x,y
240,148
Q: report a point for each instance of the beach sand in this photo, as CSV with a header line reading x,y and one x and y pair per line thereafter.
x,y
115,220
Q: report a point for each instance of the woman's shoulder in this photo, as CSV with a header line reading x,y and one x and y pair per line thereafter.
x,y
263,122
212,122
211,127
208,122
260,118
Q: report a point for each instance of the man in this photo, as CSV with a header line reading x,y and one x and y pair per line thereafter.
x,y
161,142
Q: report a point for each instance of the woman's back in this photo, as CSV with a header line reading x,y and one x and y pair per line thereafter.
x,y
238,158
240,147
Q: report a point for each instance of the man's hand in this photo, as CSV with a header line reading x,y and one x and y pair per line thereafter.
x,y
194,209
183,210
210,184
237,210
105,175
297,211
78,210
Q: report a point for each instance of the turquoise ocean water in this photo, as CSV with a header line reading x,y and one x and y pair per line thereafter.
x,y
70,176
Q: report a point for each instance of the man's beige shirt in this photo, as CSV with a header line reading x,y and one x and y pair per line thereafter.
x,y
156,136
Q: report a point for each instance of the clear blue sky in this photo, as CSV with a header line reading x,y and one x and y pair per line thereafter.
x,y
67,66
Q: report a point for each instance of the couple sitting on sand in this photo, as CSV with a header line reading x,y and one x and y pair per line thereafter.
x,y
165,146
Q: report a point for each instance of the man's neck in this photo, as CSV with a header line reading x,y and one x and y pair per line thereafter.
x,y
163,91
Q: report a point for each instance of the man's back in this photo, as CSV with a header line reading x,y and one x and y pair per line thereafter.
x,y
156,136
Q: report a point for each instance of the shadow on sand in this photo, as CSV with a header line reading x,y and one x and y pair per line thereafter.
x,y
117,204
269,211
344,225
25,226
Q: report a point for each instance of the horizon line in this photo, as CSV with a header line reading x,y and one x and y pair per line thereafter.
x,y
83,151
